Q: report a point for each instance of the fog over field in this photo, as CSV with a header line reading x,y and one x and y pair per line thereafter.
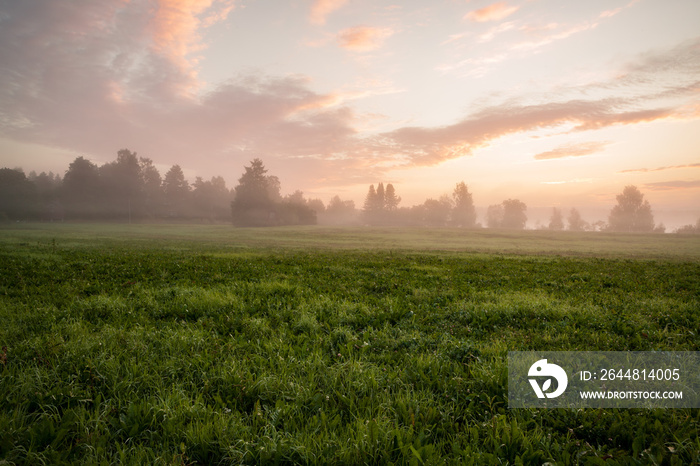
x,y
555,106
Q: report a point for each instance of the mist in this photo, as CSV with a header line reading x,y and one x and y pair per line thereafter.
x,y
131,189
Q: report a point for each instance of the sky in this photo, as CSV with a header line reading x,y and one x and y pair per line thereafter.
x,y
556,103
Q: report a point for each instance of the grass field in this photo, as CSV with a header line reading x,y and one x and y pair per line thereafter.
x,y
163,344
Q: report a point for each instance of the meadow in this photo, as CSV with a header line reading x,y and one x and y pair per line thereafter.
x,y
190,344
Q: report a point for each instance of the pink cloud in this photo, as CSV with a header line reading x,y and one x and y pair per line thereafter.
x,y
86,76
658,169
674,185
363,38
493,12
176,28
322,8
573,150
428,146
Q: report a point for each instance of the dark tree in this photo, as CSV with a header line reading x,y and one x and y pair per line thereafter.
x,y
122,186
152,187
176,192
18,196
81,191
211,199
295,210
48,191
632,213
463,213
254,200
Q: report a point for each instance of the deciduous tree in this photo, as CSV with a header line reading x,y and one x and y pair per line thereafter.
x,y
556,222
463,212
576,223
514,216
632,212
80,192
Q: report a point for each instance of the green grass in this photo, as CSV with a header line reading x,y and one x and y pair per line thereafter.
x,y
161,344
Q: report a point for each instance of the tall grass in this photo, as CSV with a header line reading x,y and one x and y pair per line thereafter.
x,y
179,352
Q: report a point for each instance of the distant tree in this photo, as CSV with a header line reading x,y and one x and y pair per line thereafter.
x,y
494,216
274,187
122,186
81,195
176,191
379,199
689,229
337,204
316,205
255,197
295,210
18,195
556,222
152,184
211,199
463,212
514,214
297,197
575,222
437,212
391,200
46,183
632,213
48,187
380,204
372,207
339,211
598,225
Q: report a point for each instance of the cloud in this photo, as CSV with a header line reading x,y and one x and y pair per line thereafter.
x,y
322,8
525,38
429,146
673,185
94,77
90,77
573,150
176,28
658,169
496,30
363,38
658,85
493,12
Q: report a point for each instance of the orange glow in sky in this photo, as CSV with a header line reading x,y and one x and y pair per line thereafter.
x,y
554,103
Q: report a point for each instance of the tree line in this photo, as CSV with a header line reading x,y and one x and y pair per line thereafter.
x,y
130,188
